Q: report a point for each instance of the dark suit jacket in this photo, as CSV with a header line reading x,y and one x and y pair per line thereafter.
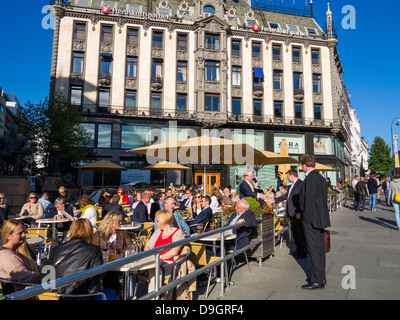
x,y
184,204
111,207
314,200
155,206
250,221
202,217
293,202
245,191
140,213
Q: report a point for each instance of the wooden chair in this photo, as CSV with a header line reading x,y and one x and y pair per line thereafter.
x,y
199,257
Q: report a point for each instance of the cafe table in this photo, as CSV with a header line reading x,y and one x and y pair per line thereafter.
x,y
53,223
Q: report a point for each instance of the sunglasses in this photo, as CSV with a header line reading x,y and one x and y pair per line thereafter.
x,y
32,197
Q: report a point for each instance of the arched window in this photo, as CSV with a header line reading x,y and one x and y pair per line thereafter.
x,y
209,11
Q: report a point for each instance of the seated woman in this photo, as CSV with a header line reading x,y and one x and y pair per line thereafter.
x,y
196,204
214,205
32,208
124,199
76,255
16,261
109,236
165,234
89,211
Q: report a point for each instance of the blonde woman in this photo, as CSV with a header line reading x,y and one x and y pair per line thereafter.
x,y
5,206
16,262
32,209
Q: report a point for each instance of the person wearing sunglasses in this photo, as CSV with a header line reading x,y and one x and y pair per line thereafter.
x,y
32,209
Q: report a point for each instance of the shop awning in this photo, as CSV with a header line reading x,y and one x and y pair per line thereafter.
x,y
258,72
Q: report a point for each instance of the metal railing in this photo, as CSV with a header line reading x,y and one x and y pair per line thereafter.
x,y
58,283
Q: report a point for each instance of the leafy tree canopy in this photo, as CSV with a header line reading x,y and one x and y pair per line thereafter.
x,y
380,159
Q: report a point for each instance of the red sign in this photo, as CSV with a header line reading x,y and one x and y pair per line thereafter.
x,y
105,9
256,27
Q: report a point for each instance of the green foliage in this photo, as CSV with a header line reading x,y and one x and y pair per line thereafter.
x,y
50,122
252,202
379,156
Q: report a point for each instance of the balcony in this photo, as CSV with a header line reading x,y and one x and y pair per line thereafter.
x,y
156,83
105,78
258,90
298,94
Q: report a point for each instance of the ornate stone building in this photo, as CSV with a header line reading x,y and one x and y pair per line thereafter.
x,y
198,66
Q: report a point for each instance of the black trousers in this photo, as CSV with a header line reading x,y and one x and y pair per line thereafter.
x,y
316,249
298,233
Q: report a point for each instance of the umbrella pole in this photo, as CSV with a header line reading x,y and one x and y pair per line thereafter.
x,y
204,181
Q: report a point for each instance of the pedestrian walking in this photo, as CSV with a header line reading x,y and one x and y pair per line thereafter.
x,y
313,200
395,188
362,190
356,195
373,186
385,189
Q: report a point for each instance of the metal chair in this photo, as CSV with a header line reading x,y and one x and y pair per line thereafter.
x,y
246,234
48,242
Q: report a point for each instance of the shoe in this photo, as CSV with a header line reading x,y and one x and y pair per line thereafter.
x,y
308,280
312,286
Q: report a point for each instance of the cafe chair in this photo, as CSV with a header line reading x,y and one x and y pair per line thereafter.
x,y
199,257
148,228
38,248
233,261
48,242
8,287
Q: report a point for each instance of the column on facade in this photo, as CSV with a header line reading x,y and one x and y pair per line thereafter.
x,y
118,69
144,73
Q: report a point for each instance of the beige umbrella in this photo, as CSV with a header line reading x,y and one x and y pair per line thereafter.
x,y
164,166
271,158
203,150
321,167
284,167
103,166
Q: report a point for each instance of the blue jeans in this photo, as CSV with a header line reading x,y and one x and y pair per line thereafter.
x,y
396,207
372,200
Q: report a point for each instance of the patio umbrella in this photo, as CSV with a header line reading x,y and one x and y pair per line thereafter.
x,y
321,167
103,166
271,158
164,166
202,150
284,167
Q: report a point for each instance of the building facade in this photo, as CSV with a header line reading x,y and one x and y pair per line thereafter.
x,y
203,67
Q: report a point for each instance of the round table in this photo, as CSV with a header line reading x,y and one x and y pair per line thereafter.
x,y
136,226
34,241
53,223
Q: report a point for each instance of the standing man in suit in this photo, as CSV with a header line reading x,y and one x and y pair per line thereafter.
x,y
313,200
295,212
141,213
247,189
204,216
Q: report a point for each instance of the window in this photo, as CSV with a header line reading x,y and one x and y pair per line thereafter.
x,y
278,109
156,101
157,69
315,56
77,62
104,97
276,52
211,102
132,37
111,4
84,3
79,31
212,42
131,67
317,112
236,106
236,48
298,111
312,31
208,11
182,42
157,39
130,99
293,28
134,7
250,22
181,71
181,102
212,70
257,105
76,95
90,129
316,83
106,34
256,49
297,80
164,11
134,136
278,79
104,135
274,25
236,73
296,54
105,64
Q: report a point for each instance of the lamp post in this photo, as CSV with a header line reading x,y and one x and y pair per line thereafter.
x,y
391,134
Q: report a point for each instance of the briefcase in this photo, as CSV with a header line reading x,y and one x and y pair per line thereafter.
x,y
327,240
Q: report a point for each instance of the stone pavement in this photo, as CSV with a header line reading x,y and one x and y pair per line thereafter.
x,y
366,240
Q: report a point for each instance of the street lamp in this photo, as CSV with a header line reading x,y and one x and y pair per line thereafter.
x,y
391,131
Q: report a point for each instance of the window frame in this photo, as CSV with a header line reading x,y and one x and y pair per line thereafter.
x,y
214,67
213,98
213,44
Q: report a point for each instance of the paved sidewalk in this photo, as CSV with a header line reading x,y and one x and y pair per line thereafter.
x,y
366,240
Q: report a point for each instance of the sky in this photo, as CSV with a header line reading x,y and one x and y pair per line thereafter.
x,y
369,52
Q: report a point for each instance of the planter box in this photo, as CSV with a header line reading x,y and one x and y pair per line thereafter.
x,y
266,232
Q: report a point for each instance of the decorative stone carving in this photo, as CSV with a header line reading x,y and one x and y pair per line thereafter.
x,y
210,119
236,91
236,60
131,50
278,94
317,97
181,86
156,52
212,87
277,65
213,26
211,55
105,47
257,62
131,83
258,91
77,78
298,94
78,45
181,55
316,68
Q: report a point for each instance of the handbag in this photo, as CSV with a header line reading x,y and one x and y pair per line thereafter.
x,y
327,240
396,195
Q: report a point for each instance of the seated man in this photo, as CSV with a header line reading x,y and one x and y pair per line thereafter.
x,y
47,205
242,214
204,216
141,213
187,201
111,205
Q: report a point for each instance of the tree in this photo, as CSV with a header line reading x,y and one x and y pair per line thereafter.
x,y
54,121
380,159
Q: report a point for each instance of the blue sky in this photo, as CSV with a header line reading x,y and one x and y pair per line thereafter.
x,y
369,55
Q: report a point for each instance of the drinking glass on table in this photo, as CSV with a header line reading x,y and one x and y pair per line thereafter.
x,y
110,255
200,228
213,226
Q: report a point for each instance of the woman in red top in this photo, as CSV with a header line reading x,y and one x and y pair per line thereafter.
x,y
165,234
123,196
